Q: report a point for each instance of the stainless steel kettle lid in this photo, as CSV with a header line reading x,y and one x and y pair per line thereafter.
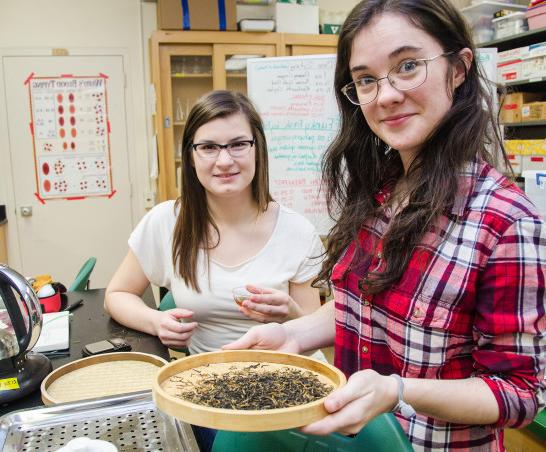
x,y
20,314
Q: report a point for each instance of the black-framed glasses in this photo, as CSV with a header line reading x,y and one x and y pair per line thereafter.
x,y
212,150
408,74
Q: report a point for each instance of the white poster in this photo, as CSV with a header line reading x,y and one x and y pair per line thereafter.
x,y
71,136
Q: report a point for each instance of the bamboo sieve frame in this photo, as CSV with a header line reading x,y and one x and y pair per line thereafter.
x,y
244,420
97,359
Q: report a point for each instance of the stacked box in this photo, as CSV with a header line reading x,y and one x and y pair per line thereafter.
x,y
510,71
515,162
197,15
512,104
532,68
534,111
294,18
528,154
519,53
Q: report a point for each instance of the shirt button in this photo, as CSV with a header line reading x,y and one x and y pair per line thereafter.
x,y
417,313
366,303
379,255
364,349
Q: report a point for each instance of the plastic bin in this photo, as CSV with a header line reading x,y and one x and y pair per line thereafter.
x,y
509,25
536,17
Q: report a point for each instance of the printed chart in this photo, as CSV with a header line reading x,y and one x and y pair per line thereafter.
x,y
71,136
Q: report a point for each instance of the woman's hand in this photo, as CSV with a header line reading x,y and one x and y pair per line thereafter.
x,y
272,336
270,305
171,330
366,395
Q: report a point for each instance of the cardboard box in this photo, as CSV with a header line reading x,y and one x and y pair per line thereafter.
x,y
512,104
534,111
510,71
518,53
533,162
197,15
293,18
515,162
533,68
535,188
538,49
525,147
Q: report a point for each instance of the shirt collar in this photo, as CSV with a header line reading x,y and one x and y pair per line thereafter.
x,y
467,181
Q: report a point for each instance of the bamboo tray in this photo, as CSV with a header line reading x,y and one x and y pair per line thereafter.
x,y
244,420
117,376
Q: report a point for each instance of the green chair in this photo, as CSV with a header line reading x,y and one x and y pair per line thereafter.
x,y
82,278
166,303
382,434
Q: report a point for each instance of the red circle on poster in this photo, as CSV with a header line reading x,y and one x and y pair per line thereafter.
x,y
61,109
65,145
59,98
61,121
45,168
72,109
72,120
72,145
71,97
47,185
73,133
62,133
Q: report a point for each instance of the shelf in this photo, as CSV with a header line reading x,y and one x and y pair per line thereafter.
x,y
490,8
519,40
228,75
525,124
179,123
180,75
537,83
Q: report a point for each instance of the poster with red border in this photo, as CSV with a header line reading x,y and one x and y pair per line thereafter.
x,y
70,128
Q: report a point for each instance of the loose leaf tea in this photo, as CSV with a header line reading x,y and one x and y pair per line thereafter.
x,y
252,387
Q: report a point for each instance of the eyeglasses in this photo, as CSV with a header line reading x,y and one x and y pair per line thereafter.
x,y
406,75
212,150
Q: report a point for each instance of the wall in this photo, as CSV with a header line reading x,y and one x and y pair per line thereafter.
x,y
41,25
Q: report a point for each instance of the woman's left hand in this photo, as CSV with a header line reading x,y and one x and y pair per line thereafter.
x,y
366,395
270,305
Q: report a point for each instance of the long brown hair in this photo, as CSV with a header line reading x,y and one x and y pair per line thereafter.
x,y
356,166
192,230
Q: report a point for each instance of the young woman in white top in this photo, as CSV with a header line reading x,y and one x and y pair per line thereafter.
x,y
224,231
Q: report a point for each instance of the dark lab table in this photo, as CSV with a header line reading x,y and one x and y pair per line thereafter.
x,y
89,323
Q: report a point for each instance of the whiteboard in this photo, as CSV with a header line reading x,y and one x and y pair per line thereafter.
x,y
295,98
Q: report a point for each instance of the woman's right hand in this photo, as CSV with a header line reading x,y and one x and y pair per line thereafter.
x,y
271,336
172,330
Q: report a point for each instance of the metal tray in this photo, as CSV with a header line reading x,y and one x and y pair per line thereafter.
x,y
131,422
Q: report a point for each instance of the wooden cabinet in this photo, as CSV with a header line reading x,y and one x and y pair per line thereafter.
x,y
187,64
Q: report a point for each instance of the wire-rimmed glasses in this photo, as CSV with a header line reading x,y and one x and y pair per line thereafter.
x,y
406,75
235,149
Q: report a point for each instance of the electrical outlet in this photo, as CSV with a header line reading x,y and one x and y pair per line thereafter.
x,y
149,200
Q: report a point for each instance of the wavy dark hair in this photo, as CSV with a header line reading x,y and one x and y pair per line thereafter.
x,y
355,166
192,230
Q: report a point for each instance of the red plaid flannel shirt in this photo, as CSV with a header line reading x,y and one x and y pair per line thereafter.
x,y
469,304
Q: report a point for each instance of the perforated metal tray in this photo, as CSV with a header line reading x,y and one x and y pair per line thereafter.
x,y
131,422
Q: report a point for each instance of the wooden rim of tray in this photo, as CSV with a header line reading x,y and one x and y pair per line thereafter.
x,y
244,420
86,362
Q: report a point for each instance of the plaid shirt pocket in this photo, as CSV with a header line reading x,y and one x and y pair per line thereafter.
x,y
425,336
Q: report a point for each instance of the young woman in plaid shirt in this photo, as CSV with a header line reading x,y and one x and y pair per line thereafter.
x,y
437,260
